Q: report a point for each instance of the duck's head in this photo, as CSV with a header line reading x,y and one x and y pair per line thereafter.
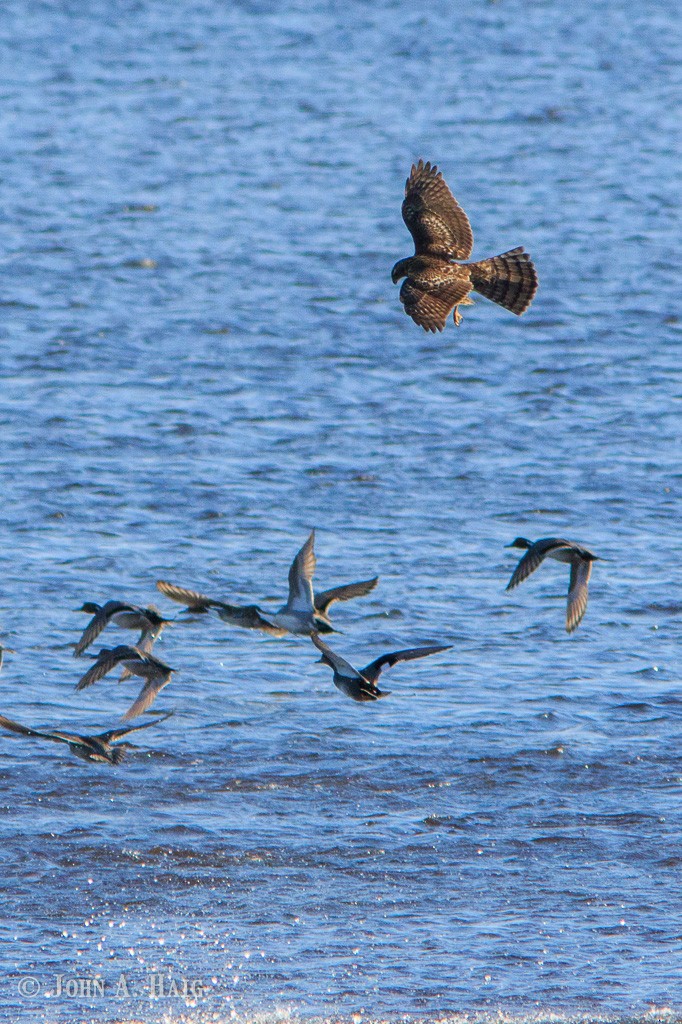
x,y
520,542
90,607
155,619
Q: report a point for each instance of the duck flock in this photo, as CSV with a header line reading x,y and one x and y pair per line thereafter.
x,y
435,285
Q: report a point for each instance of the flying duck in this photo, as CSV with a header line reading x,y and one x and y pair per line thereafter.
x,y
127,616
89,748
361,686
155,673
578,557
303,612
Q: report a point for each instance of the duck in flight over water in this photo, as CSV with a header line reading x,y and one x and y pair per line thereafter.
x,y
89,748
127,616
578,557
361,686
304,611
155,673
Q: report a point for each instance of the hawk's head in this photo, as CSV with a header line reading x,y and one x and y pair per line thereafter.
x,y
401,269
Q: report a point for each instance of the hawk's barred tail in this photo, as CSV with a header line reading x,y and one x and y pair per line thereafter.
x,y
509,280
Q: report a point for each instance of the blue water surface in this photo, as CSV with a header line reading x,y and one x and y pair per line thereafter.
x,y
203,358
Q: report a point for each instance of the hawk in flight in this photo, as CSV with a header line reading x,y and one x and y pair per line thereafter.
x,y
434,285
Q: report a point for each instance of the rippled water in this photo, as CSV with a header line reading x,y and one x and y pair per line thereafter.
x,y
203,357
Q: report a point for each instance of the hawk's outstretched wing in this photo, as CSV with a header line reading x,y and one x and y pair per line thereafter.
x,y
436,221
431,309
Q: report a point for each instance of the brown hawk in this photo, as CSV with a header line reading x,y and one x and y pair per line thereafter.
x,y
441,231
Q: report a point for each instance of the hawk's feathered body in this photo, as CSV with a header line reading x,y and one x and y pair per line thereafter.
x,y
434,284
